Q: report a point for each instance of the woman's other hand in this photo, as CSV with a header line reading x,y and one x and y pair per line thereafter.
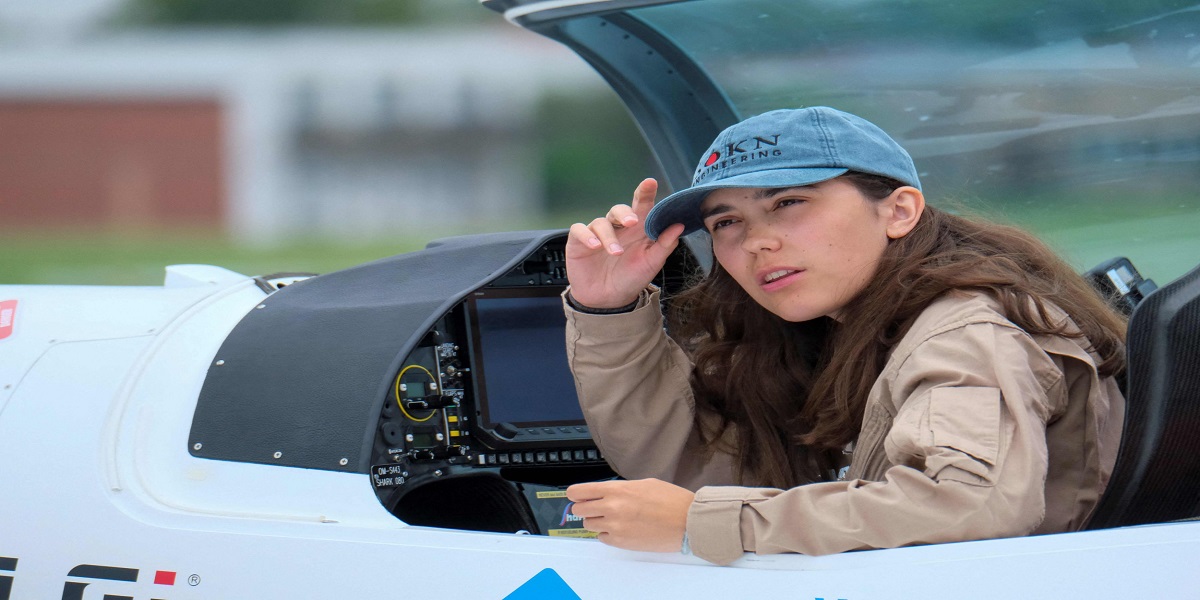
x,y
647,514
611,260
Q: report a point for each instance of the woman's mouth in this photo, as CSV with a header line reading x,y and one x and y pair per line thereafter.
x,y
779,278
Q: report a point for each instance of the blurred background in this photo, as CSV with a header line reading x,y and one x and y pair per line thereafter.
x,y
310,135
287,135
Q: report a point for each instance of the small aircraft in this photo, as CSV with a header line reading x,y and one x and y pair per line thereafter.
x,y
406,427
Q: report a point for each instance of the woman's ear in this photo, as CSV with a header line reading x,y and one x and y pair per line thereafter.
x,y
907,204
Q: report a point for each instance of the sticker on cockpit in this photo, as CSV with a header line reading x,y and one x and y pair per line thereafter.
x,y
570,525
572,533
8,315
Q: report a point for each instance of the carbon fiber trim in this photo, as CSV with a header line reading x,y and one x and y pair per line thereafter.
x,y
1157,474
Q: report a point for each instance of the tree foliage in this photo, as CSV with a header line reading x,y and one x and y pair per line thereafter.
x,y
300,12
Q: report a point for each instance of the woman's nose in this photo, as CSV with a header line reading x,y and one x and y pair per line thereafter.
x,y
760,237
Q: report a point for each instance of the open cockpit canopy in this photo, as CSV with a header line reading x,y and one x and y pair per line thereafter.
x,y
1077,119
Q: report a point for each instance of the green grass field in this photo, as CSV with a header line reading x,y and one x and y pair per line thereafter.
x,y
138,257
1159,233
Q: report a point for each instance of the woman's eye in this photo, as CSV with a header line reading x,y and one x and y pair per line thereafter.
x,y
787,202
721,223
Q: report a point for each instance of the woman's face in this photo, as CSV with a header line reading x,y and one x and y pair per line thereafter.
x,y
800,252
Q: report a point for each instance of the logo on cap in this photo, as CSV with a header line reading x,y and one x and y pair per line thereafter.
x,y
741,151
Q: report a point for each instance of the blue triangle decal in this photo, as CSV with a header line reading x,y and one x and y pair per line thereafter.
x,y
546,585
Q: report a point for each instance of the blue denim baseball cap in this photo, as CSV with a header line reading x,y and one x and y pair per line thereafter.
x,y
784,148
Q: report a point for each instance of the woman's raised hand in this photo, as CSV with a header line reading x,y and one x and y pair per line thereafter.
x,y
611,259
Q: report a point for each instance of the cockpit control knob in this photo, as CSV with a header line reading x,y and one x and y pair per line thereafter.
x,y
506,430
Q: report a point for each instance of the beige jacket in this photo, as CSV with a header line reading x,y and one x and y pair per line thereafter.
x,y
974,430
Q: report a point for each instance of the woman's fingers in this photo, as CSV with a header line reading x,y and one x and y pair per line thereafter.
x,y
610,260
596,235
596,524
666,242
607,235
582,234
593,514
605,232
587,502
581,241
621,216
592,490
625,215
646,514
643,197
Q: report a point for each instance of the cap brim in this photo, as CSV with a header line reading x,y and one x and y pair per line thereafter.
x,y
684,206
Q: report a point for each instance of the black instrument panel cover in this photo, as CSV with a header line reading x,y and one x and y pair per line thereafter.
x,y
301,381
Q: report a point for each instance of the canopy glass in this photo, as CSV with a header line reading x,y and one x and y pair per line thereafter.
x,y
1078,119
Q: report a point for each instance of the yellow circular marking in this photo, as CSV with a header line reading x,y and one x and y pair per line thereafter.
x,y
400,403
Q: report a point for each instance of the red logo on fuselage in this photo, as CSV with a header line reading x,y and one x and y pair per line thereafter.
x,y
8,314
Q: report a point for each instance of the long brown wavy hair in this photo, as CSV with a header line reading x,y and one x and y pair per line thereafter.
x,y
796,391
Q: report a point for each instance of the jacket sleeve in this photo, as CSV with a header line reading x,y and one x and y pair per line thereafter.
x,y
966,449
632,382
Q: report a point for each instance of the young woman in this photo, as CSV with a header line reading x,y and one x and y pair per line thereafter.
x,y
858,370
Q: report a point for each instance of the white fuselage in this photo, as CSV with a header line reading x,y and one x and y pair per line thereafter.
x,y
98,386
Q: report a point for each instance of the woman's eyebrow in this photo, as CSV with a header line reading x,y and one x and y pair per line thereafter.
x,y
713,210
761,194
764,193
